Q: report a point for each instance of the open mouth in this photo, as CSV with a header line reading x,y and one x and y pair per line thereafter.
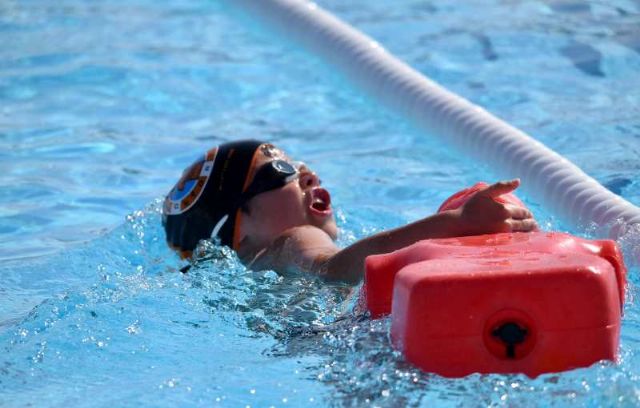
x,y
320,201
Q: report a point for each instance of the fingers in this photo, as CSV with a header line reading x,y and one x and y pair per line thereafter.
x,y
518,213
526,225
500,188
521,219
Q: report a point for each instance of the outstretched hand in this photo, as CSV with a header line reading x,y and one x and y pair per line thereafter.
x,y
483,214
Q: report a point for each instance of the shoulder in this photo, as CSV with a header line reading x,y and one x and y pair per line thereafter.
x,y
304,248
305,235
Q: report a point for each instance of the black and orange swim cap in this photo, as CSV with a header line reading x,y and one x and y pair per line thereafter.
x,y
204,201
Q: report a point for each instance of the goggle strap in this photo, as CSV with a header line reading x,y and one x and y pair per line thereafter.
x,y
219,225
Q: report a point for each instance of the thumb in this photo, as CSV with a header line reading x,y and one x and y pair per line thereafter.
x,y
501,187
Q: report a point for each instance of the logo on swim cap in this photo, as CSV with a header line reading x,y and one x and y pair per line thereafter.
x,y
191,185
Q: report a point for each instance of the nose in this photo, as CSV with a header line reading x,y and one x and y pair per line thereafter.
x,y
308,179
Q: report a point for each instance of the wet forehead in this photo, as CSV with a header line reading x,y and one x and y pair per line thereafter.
x,y
269,151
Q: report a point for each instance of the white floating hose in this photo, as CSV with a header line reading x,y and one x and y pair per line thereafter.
x,y
562,187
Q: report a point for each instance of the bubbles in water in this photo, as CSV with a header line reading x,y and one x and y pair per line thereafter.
x,y
629,242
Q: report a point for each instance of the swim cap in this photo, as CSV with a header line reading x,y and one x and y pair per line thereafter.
x,y
204,201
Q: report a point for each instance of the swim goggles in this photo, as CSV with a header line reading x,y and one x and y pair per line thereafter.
x,y
273,175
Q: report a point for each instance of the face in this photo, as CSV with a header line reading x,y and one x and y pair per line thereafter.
x,y
300,202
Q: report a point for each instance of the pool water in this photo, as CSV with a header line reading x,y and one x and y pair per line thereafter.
x,y
102,104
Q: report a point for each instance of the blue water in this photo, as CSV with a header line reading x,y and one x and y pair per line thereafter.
x,y
102,104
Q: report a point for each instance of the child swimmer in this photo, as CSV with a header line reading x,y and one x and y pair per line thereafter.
x,y
275,215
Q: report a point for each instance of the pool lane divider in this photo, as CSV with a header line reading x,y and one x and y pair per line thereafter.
x,y
560,185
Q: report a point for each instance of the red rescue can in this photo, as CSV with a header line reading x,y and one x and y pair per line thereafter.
x,y
504,303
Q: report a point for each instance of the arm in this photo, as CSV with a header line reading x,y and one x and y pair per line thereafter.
x,y
310,249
